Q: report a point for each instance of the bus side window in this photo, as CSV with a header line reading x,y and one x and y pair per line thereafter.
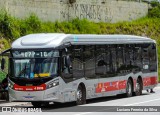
x,y
152,57
66,62
89,61
120,61
64,66
101,67
113,60
128,56
78,66
145,57
138,57
107,60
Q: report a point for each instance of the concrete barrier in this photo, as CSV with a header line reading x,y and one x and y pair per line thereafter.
x,y
64,10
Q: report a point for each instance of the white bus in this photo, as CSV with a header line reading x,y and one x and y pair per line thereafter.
x,y
52,67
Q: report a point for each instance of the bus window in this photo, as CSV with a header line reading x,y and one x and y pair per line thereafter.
x,y
65,67
128,55
152,57
78,67
120,60
145,57
138,57
107,60
113,60
101,67
89,61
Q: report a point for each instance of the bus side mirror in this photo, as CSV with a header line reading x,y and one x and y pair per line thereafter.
x,y
2,64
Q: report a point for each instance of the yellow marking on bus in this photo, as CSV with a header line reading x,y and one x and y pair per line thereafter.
x,y
42,75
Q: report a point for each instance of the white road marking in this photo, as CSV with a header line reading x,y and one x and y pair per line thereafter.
x,y
84,113
157,88
142,102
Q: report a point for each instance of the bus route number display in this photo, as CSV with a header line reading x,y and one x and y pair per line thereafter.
x,y
29,54
34,54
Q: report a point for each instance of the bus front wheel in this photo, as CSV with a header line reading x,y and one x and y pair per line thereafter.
x,y
81,96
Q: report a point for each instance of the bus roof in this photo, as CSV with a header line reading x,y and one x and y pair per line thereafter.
x,y
53,40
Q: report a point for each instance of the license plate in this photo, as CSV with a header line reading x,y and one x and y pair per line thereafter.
x,y
28,97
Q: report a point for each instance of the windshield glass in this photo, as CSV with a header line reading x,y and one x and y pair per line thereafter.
x,y
34,65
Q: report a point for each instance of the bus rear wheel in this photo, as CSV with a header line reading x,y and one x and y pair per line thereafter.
x,y
138,87
129,88
81,96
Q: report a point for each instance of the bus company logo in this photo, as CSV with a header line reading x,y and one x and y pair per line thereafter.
x,y
6,109
19,109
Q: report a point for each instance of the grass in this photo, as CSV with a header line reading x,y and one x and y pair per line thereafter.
x,y
2,74
12,28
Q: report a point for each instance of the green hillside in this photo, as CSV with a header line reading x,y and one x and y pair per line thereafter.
x,y
12,28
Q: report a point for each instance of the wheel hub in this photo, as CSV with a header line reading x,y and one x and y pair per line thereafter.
x,y
137,86
129,89
79,95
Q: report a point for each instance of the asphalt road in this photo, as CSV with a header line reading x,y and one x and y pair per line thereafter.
x,y
136,104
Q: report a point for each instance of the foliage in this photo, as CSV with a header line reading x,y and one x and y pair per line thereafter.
x,y
155,3
2,75
154,12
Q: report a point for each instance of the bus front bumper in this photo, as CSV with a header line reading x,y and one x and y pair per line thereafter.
x,y
30,96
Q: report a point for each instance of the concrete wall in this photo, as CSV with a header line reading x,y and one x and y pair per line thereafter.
x,y
62,10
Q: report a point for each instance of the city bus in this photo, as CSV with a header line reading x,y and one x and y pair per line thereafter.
x,y
59,68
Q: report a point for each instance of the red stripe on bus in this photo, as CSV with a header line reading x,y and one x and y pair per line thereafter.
x,y
99,87
111,86
29,88
150,81
120,85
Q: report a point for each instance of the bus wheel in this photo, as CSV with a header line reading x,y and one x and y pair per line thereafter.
x,y
129,88
138,87
81,98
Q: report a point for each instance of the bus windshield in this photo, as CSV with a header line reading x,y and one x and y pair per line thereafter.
x,y
29,66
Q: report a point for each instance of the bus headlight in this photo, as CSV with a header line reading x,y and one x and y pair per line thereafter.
x,y
53,84
10,85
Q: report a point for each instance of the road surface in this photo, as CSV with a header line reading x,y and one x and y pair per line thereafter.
x,y
102,106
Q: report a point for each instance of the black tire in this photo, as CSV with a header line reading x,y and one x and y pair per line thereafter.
x,y
129,88
39,104
81,96
138,87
